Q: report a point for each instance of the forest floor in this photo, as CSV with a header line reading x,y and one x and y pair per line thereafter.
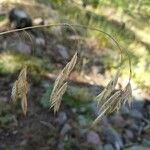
x,y
46,53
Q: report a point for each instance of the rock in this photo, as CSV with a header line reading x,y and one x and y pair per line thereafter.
x,y
22,47
112,136
146,142
129,134
108,147
117,120
136,114
18,18
74,110
94,108
62,117
82,120
138,105
40,41
138,148
66,128
104,121
124,110
133,127
23,142
99,147
93,138
63,51
3,99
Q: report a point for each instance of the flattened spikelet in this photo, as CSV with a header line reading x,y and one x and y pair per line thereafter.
x,y
59,85
24,104
127,95
20,89
14,92
58,97
101,98
112,84
108,106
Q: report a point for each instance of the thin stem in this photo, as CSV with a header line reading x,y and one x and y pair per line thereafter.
x,y
81,26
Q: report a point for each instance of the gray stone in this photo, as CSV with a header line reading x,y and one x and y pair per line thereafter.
x,y
146,142
129,134
117,120
94,108
138,148
93,138
66,128
63,51
136,114
40,41
113,137
62,117
99,147
138,105
82,120
124,110
22,47
108,147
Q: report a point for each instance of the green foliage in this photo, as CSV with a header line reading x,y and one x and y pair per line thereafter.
x,y
10,62
6,116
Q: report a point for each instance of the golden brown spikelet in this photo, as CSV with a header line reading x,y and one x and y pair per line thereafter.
x,y
101,98
127,94
60,84
110,100
14,93
20,89
57,98
109,105
24,104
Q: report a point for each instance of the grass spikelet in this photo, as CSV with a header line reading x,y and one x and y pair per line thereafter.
x,y
24,104
59,85
109,105
20,89
58,97
101,98
14,92
127,94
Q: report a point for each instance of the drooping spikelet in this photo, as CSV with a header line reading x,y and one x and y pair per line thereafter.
x,y
20,89
60,84
110,100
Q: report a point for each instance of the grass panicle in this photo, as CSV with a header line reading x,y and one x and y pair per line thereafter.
x,y
20,89
110,99
60,84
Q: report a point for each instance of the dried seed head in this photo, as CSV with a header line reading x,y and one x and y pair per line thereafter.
x,y
20,89
58,97
112,84
111,104
127,94
24,104
14,92
105,94
59,85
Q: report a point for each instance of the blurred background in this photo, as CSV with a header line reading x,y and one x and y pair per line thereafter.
x,y
47,50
